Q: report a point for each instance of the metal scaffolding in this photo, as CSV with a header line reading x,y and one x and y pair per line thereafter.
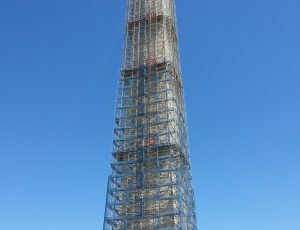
x,y
150,183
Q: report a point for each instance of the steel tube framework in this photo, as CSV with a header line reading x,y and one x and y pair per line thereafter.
x,y
150,183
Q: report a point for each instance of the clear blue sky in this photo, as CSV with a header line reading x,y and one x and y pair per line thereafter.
x,y
59,63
